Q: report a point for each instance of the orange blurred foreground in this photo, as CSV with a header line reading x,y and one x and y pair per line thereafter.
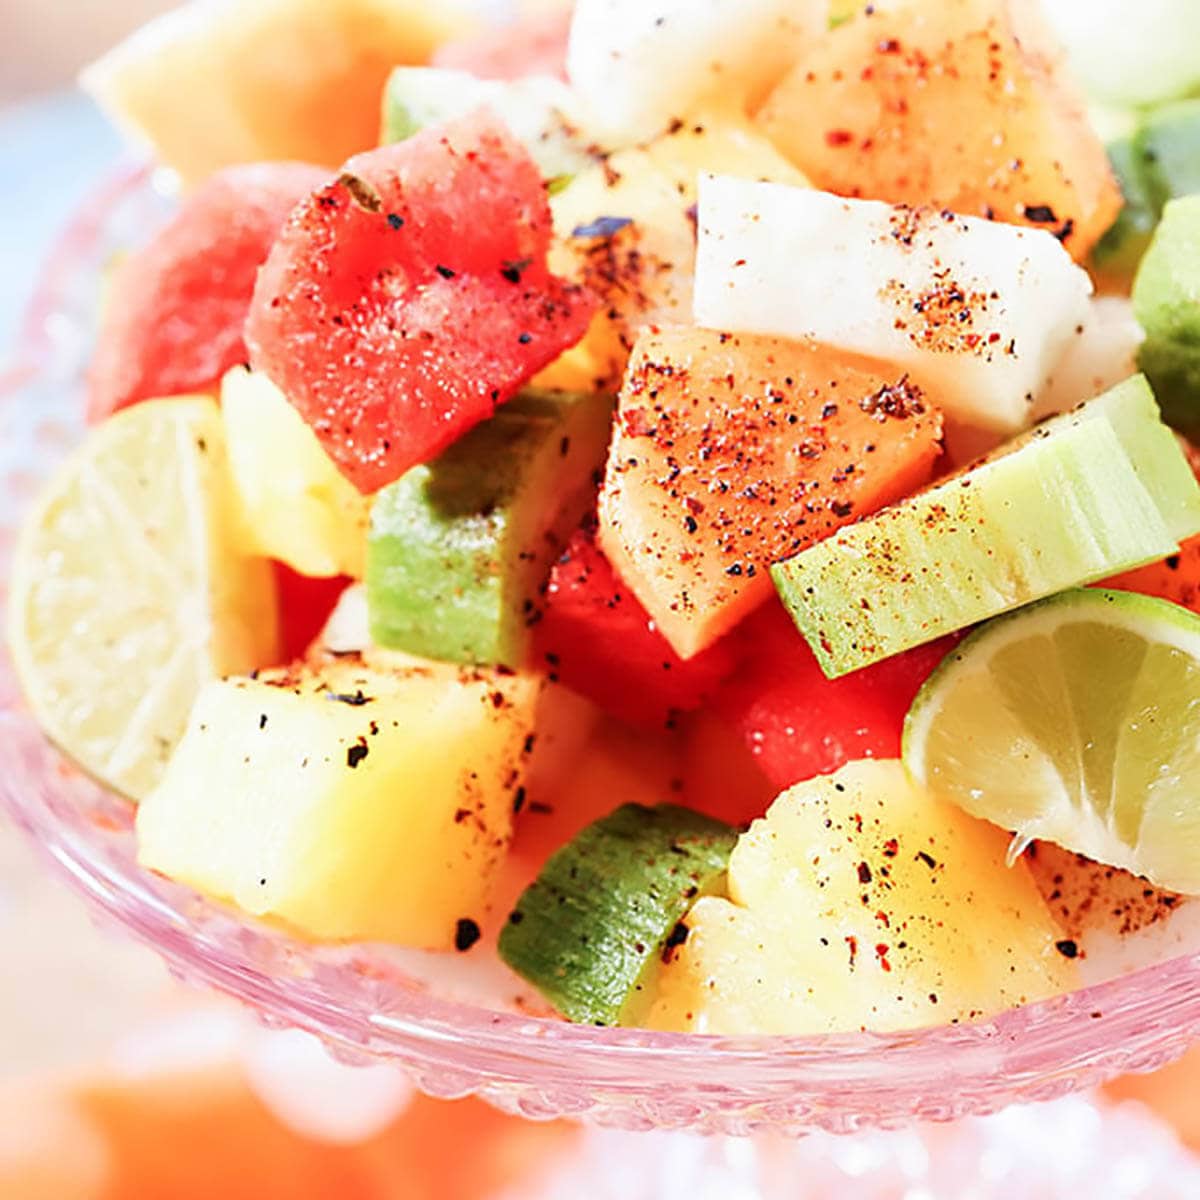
x,y
202,1134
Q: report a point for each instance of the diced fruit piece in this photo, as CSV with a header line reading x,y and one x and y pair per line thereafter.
x,y
731,453
538,109
534,44
637,66
129,590
626,229
1158,162
795,722
1168,143
1126,61
977,312
1166,300
595,637
607,906
407,300
563,722
174,315
224,82
1074,721
349,803
1117,254
1101,353
1090,493
719,774
295,504
459,550
859,902
956,104
305,604
1175,578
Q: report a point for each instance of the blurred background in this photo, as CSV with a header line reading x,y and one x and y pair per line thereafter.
x,y
117,1082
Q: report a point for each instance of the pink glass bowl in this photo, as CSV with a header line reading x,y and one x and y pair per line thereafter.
x,y
366,1009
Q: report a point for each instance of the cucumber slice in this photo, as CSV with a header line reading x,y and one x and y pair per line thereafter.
x,y
538,109
1066,505
1120,250
1168,143
592,926
1166,301
460,548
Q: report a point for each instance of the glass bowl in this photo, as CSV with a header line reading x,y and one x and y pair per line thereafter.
x,y
367,1007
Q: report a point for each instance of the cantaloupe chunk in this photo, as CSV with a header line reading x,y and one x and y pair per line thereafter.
x,y
732,452
346,801
218,82
627,229
959,104
859,902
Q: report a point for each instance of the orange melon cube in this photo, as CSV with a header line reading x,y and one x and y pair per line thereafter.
x,y
733,452
960,104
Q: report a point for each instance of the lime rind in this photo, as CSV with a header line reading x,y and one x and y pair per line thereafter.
x,y
1074,720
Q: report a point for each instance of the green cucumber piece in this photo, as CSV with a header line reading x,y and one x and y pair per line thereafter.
x,y
537,109
459,549
1132,411
1086,496
1168,144
1121,248
589,931
1166,302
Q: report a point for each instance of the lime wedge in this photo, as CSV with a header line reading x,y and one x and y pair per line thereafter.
x,y
128,591
1075,720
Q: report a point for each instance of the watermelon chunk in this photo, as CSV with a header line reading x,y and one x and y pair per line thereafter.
x,y
173,319
597,639
797,723
535,44
406,300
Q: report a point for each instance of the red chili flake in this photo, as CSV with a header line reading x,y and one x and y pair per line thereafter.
x,y
881,952
357,753
676,937
852,942
891,848
838,137
864,873
927,859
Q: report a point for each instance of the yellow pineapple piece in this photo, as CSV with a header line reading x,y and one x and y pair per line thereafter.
x,y
859,902
347,801
296,505
643,271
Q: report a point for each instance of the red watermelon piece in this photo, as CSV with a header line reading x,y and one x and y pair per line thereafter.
x,y
173,319
408,299
597,639
796,722
305,604
535,44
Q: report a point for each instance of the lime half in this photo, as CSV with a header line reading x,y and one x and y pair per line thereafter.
x,y
1075,720
129,590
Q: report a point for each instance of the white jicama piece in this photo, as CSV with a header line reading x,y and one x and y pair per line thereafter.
x,y
1101,354
978,312
638,65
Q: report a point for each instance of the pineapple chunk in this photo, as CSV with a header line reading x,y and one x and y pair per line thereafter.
x,y
641,265
346,801
296,506
859,902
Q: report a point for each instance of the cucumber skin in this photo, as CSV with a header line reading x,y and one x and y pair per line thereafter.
x,y
622,883
1166,301
919,569
459,548
1157,163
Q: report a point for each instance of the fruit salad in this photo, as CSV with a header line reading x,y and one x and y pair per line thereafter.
x,y
688,499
